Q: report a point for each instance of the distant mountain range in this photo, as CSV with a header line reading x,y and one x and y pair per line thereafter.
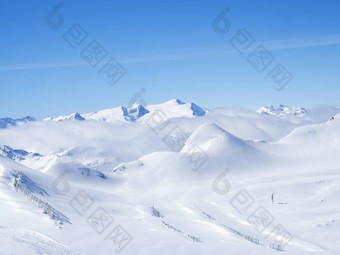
x,y
175,108
282,111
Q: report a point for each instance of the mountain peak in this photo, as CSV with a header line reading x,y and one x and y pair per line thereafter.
x,y
77,116
73,116
175,101
196,110
135,112
179,101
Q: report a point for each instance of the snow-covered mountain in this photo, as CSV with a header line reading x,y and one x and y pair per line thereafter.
x,y
15,154
135,112
172,178
9,122
282,111
173,108
73,116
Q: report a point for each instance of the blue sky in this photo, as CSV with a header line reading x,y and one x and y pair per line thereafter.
x,y
170,49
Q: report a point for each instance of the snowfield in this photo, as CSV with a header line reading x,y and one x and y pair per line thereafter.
x,y
172,178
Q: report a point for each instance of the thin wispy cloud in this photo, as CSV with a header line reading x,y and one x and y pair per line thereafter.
x,y
302,42
192,53
41,66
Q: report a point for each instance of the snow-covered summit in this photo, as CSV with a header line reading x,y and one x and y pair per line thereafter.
x,y
135,112
282,111
209,135
176,108
221,148
73,116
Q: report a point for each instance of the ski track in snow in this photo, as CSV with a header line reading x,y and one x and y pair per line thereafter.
x,y
40,243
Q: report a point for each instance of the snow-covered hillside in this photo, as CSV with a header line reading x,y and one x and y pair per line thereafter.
x,y
172,178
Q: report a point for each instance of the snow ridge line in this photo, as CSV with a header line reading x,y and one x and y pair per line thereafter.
x,y
48,209
247,237
156,213
244,236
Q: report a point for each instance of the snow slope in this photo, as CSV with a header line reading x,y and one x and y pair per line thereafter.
x,y
172,178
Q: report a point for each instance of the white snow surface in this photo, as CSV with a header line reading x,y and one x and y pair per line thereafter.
x,y
172,178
